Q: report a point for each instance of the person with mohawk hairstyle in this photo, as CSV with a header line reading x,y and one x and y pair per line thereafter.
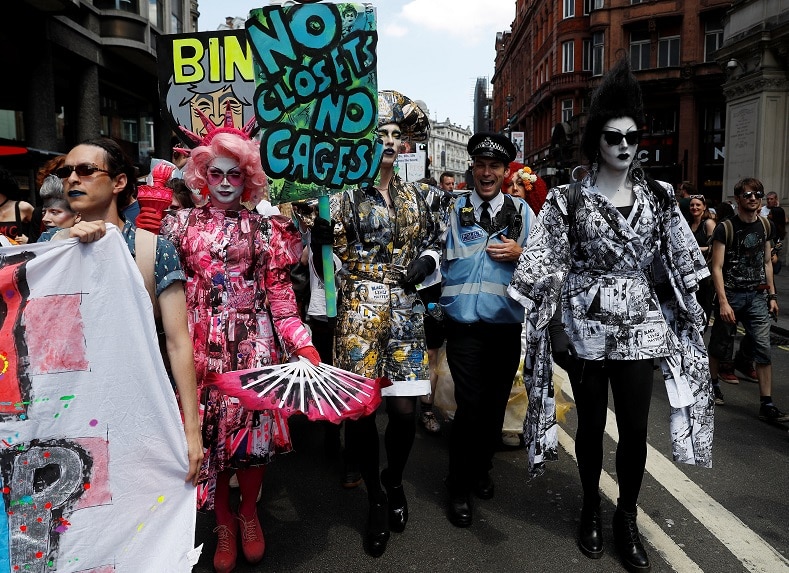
x,y
616,256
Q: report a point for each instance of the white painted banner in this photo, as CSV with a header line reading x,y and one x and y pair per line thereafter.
x,y
92,451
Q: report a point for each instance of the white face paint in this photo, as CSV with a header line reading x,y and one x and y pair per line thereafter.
x,y
223,193
618,156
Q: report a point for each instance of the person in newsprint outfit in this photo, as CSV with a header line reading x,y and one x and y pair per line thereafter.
x,y
615,254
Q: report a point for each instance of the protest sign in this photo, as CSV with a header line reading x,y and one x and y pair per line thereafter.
x,y
316,98
204,71
92,451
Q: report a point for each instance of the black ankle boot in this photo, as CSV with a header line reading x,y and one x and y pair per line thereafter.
x,y
377,533
590,533
398,506
628,542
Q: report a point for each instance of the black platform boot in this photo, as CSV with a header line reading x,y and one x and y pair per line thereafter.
x,y
377,533
628,542
398,506
590,533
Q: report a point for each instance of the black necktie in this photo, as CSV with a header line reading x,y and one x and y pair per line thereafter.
x,y
484,218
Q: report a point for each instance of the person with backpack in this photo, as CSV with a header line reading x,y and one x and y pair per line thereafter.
x,y
615,254
742,273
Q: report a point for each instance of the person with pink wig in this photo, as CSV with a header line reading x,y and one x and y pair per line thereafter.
x,y
242,314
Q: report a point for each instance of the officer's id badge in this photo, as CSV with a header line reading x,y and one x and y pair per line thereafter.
x,y
471,236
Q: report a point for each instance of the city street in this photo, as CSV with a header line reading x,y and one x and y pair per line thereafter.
x,y
730,518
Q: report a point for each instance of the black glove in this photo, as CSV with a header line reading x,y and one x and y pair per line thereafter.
x,y
417,271
562,349
322,232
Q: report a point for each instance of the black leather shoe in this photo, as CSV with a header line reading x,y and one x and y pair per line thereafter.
x,y
377,534
398,506
459,512
484,488
628,542
590,533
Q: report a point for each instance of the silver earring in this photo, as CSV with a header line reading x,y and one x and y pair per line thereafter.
x,y
636,172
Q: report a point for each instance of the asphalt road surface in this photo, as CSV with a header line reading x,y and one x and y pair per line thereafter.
x,y
730,518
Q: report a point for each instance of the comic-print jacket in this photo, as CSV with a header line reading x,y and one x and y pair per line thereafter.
x,y
602,268
374,247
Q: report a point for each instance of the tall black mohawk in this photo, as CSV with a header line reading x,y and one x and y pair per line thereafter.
x,y
619,95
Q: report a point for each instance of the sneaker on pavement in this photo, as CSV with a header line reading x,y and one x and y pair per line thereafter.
x,y
511,439
728,375
718,395
770,413
430,422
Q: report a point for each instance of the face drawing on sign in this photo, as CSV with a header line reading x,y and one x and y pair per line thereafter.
x,y
207,76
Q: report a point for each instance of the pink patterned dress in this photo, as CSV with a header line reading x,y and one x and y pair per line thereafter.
x,y
242,314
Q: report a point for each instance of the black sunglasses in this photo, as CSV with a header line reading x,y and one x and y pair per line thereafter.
x,y
83,170
749,194
615,138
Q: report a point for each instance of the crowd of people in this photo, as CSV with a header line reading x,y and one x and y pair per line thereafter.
x,y
609,278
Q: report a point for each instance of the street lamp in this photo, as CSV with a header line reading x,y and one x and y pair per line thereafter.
x,y
509,99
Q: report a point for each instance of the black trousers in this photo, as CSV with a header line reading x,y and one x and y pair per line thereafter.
x,y
483,359
631,387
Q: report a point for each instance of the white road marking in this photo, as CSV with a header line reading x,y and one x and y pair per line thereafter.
x,y
650,531
755,554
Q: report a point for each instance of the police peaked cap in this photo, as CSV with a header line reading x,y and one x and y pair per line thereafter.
x,y
495,145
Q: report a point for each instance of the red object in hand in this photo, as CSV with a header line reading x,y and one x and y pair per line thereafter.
x,y
155,199
310,353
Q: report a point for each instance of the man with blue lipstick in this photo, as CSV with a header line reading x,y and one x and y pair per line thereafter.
x,y
486,234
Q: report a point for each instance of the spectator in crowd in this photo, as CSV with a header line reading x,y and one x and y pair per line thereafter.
x,y
56,211
742,272
183,198
16,215
446,181
612,251
684,191
702,226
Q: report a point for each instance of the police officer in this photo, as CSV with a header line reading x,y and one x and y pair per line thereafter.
x,y
486,233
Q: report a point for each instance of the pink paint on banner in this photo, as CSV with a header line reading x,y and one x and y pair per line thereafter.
x,y
55,344
99,491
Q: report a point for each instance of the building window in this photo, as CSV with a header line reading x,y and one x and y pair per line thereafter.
x,y
713,39
598,4
177,20
639,50
598,39
567,110
125,5
129,130
568,57
668,52
569,8
587,55
589,5
637,1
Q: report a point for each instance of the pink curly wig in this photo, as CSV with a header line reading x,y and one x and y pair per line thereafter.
x,y
247,153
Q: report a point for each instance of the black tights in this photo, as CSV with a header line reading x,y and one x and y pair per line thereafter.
x,y
631,387
362,439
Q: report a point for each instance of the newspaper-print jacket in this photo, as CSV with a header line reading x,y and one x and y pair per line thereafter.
x,y
602,268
